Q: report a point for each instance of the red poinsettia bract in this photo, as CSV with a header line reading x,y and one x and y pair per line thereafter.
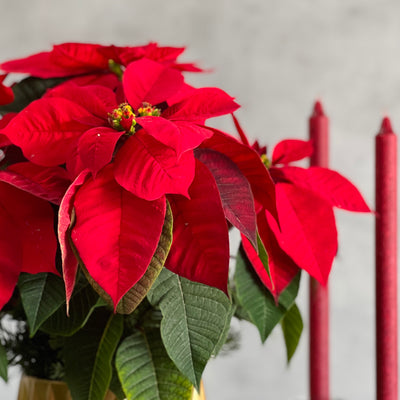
x,y
134,148
82,126
306,236
6,93
70,59
27,239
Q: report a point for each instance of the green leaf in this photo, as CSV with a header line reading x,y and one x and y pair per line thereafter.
x,y
288,296
28,90
42,294
255,299
83,302
263,256
3,363
292,327
225,332
115,384
145,370
88,355
194,320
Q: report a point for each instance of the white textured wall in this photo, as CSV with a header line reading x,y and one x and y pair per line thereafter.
x,y
275,57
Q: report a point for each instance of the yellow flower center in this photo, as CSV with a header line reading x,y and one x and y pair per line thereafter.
x,y
147,110
123,118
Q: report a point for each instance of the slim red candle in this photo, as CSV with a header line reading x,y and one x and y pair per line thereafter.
x,y
386,262
319,295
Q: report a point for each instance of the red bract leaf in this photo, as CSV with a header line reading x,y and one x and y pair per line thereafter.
x,y
161,54
108,80
281,267
234,189
38,65
48,183
188,67
96,147
146,80
330,185
202,104
192,135
96,99
74,164
117,236
307,230
291,150
48,123
200,249
79,57
6,93
69,261
250,164
184,91
149,169
5,119
10,256
241,132
64,60
151,51
34,220
178,135
162,130
4,141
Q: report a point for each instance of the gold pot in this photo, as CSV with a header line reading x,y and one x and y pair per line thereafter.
x,y
31,388
199,396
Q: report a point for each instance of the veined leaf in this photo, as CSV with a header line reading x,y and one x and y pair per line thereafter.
x,y
200,249
88,356
235,191
257,301
194,320
26,91
83,302
337,190
149,169
3,363
146,80
117,237
145,370
42,294
292,326
288,296
291,150
263,255
136,294
48,123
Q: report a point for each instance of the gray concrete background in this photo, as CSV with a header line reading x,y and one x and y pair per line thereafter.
x,y
276,58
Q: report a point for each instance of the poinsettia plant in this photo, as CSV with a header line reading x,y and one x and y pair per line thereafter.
x,y
117,198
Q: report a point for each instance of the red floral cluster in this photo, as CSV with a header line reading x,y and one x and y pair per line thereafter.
x,y
122,139
304,235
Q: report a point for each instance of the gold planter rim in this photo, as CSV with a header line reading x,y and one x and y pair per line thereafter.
x,y
31,388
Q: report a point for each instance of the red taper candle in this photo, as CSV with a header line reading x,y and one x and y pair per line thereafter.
x,y
386,262
319,295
